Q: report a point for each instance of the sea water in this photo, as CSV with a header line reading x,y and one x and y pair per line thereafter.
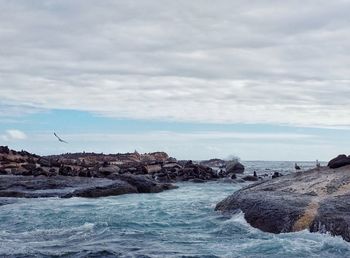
x,y
176,223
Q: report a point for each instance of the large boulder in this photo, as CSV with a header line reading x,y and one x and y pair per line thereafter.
x,y
143,184
340,161
317,200
234,167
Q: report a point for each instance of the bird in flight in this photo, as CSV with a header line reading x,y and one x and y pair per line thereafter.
x,y
59,138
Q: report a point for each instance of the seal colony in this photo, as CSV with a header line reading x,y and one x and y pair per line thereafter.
x,y
23,174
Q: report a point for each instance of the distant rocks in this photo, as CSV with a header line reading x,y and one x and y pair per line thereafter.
x,y
340,161
157,165
23,174
234,168
97,174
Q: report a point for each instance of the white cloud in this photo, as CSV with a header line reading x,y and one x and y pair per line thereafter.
x,y
13,135
277,62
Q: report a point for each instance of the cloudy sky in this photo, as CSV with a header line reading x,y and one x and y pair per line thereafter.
x,y
265,79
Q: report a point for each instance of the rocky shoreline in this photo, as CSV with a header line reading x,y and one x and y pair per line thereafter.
x,y
317,200
27,175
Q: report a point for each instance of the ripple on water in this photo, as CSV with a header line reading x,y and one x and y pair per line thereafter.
x,y
177,223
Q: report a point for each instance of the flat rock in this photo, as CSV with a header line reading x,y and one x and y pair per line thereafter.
x,y
66,186
317,200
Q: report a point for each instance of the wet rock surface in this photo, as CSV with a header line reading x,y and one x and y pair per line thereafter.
x,y
317,200
66,186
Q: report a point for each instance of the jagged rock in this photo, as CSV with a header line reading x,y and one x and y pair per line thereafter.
x,y
44,162
4,149
340,161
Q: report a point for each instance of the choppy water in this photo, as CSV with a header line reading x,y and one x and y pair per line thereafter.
x,y
177,223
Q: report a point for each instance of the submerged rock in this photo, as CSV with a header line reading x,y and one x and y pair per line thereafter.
x,y
317,200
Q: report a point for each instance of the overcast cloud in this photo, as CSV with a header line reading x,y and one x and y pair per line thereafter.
x,y
278,62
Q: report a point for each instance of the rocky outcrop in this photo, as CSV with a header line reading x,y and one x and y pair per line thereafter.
x,y
234,168
66,186
317,200
157,165
340,161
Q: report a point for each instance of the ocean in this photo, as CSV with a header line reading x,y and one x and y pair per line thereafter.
x,y
176,223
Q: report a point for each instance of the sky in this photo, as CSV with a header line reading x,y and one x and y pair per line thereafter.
x,y
261,80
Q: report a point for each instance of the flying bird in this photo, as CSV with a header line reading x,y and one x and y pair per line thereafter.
x,y
59,138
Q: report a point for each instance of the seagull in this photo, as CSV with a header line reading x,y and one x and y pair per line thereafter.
x,y
296,166
59,138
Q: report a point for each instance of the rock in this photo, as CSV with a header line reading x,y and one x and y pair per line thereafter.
x,y
44,162
340,161
276,174
4,150
108,170
234,168
29,166
143,184
172,165
250,178
317,200
66,186
153,168
116,188
65,171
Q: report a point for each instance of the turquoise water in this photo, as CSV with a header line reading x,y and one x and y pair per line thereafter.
x,y
176,223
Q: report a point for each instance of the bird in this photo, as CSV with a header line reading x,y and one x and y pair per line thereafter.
x,y
59,138
296,166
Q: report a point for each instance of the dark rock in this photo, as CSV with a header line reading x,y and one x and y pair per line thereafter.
x,y
29,166
44,162
197,180
340,161
65,171
117,188
66,186
317,200
235,168
143,184
250,178
4,149
108,170
276,174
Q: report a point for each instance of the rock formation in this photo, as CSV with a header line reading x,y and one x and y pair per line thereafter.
x,y
317,200
157,165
